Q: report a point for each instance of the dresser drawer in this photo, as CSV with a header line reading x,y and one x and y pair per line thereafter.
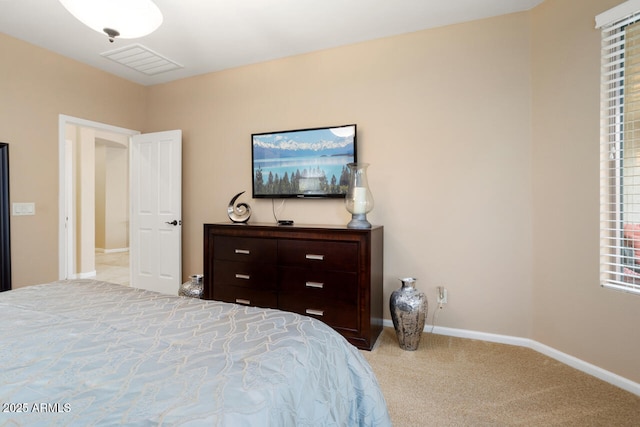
x,y
319,284
245,249
245,274
245,296
321,254
336,314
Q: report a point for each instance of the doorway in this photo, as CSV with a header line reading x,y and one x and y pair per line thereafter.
x,y
83,235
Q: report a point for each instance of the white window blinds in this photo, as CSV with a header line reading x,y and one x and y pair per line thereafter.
x,y
620,148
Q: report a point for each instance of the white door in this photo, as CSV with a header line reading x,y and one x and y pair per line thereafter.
x,y
156,211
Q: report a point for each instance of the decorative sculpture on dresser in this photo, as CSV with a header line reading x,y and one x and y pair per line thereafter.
x,y
240,212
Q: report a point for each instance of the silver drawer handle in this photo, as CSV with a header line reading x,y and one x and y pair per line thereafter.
x,y
317,285
243,276
315,257
243,251
314,312
243,301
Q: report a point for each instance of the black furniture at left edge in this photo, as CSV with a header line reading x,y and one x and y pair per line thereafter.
x,y
332,273
5,212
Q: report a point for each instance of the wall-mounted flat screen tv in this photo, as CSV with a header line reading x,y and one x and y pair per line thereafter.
x,y
303,162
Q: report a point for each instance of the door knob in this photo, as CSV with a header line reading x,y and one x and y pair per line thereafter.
x,y
174,222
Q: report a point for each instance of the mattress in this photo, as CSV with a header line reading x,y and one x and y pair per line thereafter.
x,y
84,353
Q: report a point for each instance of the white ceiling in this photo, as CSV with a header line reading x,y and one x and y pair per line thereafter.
x,y
211,35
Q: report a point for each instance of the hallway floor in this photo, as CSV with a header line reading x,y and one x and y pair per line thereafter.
x,y
113,267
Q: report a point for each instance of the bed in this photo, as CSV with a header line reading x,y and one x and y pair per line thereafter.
x,y
85,352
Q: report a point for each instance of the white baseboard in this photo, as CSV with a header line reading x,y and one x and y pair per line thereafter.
x,y
111,251
87,275
574,362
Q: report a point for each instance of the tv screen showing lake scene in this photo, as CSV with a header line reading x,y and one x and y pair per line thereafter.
x,y
304,162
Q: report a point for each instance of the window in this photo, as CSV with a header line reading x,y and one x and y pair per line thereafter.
x,y
620,148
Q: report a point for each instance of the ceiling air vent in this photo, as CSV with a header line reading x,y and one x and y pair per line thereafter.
x,y
141,59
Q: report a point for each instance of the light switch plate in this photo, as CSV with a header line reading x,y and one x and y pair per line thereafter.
x,y
24,209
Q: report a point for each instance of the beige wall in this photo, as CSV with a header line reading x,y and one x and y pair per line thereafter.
x,y
85,211
117,199
112,196
572,313
482,139
37,86
100,195
444,120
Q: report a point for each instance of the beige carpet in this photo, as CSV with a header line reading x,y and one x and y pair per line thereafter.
x,y
461,382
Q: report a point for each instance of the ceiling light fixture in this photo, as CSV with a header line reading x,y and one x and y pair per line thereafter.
x,y
127,19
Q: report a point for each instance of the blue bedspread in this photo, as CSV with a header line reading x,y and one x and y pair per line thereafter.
x,y
85,353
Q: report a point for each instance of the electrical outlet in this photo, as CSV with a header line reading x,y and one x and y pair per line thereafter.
x,y
442,295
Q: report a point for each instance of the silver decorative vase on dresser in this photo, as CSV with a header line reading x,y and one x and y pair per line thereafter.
x,y
408,308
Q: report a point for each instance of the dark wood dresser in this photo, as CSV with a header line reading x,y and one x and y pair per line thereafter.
x,y
332,273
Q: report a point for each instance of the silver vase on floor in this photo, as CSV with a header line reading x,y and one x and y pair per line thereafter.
x,y
193,288
408,308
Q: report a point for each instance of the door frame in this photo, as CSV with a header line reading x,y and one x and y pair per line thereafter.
x,y
63,121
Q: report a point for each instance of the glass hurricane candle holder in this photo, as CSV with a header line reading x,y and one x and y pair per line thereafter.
x,y
359,200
